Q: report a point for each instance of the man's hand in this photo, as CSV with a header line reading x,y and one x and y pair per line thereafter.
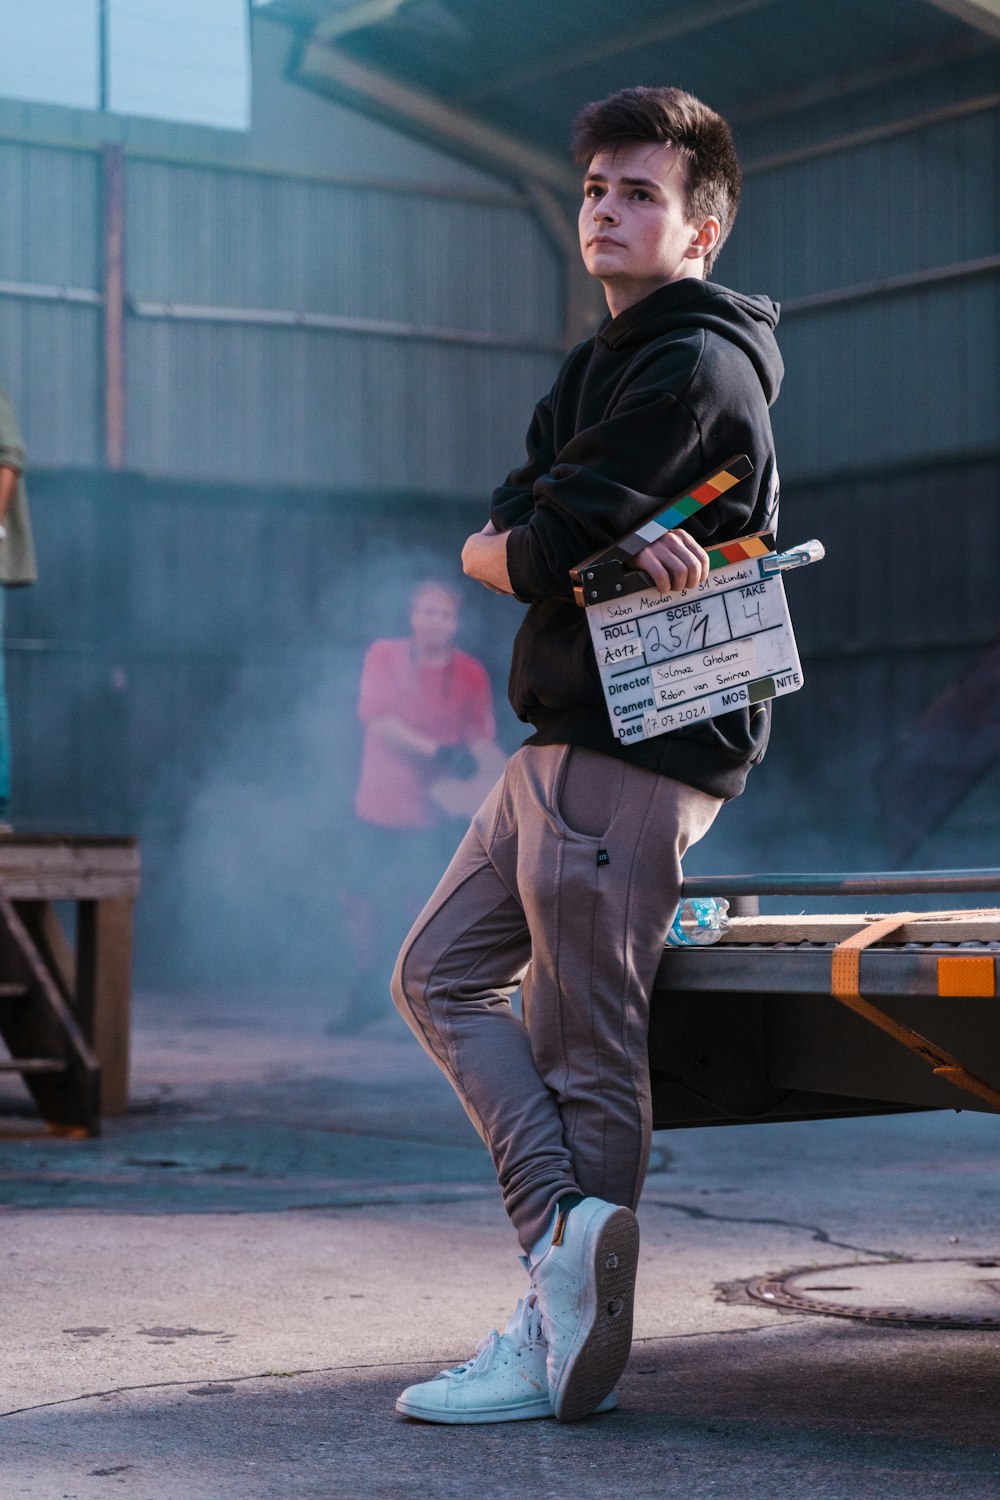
x,y
484,557
674,561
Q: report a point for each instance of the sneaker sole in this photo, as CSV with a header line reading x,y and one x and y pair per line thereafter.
x,y
594,1369
455,1417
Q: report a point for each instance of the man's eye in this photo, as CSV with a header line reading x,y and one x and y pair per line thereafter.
x,y
641,193
593,191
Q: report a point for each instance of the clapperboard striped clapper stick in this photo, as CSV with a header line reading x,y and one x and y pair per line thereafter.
x,y
667,660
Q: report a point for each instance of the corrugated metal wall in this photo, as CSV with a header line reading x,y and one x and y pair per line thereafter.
x,y
125,660
905,601
888,432
868,381
324,407
911,374
49,348
282,404
195,649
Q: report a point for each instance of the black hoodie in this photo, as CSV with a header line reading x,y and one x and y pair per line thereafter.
x,y
660,396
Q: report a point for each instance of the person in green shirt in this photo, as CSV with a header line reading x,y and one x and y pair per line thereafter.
x,y
17,564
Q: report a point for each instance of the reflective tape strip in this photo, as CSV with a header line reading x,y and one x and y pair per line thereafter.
x,y
845,977
969,977
845,986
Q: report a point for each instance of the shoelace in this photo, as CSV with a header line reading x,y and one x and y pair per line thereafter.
x,y
523,1328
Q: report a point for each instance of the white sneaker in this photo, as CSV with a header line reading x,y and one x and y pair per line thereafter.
x,y
585,1283
504,1382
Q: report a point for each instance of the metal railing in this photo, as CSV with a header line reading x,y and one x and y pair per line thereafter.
x,y
877,883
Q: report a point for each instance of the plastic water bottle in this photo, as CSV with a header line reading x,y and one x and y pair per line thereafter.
x,y
700,920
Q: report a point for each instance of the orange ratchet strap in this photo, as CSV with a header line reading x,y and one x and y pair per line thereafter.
x,y
845,986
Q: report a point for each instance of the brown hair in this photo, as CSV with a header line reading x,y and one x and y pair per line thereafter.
x,y
669,116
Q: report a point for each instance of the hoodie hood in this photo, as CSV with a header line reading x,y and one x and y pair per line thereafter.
x,y
746,321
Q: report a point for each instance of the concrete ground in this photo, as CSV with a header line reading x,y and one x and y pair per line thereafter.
x,y
221,1297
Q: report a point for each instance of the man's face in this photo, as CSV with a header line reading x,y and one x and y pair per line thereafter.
x,y
634,228
433,618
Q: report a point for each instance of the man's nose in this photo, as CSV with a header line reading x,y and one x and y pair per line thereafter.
x,y
605,211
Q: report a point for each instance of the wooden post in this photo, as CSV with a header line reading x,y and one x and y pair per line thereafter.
x,y
45,1039
50,939
114,306
66,1015
104,989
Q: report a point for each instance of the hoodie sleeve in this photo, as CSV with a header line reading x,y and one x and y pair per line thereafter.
x,y
607,479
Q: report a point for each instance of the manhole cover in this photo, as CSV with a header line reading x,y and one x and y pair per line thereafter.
x,y
929,1293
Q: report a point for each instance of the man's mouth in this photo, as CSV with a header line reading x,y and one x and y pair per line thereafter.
x,y
605,239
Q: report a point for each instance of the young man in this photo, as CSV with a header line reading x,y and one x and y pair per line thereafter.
x,y
568,879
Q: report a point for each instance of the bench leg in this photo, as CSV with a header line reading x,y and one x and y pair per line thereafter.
x,y
104,992
52,943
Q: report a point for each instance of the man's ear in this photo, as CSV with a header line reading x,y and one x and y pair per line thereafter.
x,y
705,240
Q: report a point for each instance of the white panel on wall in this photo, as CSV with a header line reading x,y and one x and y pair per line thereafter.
x,y
186,60
49,52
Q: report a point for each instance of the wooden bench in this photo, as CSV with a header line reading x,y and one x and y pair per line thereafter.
x,y
65,1008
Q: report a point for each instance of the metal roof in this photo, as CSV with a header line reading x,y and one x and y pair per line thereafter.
x,y
525,68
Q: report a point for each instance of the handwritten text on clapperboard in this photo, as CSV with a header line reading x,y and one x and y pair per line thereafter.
x,y
668,659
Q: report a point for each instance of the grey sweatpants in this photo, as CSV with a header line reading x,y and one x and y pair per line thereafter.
x,y
565,884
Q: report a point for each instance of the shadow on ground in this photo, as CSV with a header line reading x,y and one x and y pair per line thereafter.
x,y
826,1413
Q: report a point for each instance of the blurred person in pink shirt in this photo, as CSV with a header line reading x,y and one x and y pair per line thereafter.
x,y
426,708
428,756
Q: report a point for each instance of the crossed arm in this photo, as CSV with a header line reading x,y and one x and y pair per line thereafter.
x,y
673,561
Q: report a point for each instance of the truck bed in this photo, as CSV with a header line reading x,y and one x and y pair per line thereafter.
x,y
748,1031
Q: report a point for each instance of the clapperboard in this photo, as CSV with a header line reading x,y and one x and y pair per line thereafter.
x,y
667,660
